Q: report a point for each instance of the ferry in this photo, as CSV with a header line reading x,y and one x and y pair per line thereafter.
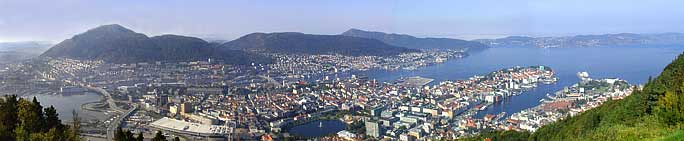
x,y
500,116
549,80
550,97
529,86
484,107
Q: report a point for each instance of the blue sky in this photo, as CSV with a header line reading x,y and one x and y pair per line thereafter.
x,y
22,20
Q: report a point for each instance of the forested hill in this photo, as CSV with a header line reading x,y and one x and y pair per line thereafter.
x,y
654,113
117,44
409,41
300,43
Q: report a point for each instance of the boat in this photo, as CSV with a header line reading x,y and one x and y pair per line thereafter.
x,y
500,116
320,124
550,97
484,107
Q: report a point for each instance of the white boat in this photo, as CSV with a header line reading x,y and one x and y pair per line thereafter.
x,y
484,107
320,124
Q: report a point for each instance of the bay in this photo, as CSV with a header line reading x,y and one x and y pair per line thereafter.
x,y
634,64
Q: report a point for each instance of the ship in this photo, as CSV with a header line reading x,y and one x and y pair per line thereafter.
x,y
484,107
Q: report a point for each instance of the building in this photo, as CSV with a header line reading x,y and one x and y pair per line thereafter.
x,y
416,132
346,135
194,129
406,137
186,108
205,90
203,119
376,111
162,100
173,109
374,129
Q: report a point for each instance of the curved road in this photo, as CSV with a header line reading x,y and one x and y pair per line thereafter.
x,y
110,100
112,104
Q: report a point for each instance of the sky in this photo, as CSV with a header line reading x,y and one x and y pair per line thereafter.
x,y
56,20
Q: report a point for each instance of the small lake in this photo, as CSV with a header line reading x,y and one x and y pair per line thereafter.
x,y
65,104
312,129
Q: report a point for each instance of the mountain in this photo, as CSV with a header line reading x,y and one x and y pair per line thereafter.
x,y
117,44
605,40
300,43
34,47
17,51
414,42
655,112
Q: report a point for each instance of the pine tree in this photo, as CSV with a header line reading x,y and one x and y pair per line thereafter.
x,y
140,137
52,119
28,120
53,135
129,135
8,117
159,137
21,119
40,117
119,135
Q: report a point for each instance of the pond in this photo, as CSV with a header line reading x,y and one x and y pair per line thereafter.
x,y
318,128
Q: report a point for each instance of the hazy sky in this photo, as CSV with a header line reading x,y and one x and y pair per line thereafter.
x,y
55,20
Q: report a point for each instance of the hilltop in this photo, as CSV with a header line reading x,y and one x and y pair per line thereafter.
x,y
117,44
300,43
409,41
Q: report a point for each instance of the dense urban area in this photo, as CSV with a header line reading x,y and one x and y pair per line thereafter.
x,y
217,101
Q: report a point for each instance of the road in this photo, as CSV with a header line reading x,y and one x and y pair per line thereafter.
x,y
270,80
112,104
110,100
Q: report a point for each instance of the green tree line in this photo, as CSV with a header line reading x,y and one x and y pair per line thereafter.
x,y
26,120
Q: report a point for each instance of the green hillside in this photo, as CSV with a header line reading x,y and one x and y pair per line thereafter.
x,y
654,113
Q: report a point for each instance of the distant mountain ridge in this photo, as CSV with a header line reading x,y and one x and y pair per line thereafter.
x,y
409,41
17,51
117,44
25,46
607,40
300,43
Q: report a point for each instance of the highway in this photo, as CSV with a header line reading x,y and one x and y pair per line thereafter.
x,y
270,80
112,104
110,100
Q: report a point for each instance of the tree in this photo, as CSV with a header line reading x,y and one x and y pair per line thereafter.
x,y
140,137
52,119
176,139
40,116
21,119
8,117
129,136
159,137
52,135
28,120
119,135
75,128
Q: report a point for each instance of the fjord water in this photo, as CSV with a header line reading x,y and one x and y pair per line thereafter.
x,y
634,64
